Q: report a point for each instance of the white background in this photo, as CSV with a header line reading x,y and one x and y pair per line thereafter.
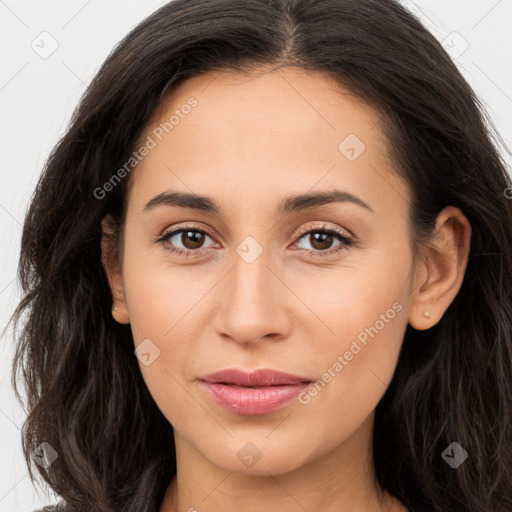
x,y
37,97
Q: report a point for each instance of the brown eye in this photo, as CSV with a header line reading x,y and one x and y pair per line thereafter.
x,y
192,239
322,241
185,240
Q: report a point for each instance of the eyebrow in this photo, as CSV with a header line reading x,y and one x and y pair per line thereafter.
x,y
290,204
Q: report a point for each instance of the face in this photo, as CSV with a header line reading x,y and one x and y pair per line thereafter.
x,y
316,289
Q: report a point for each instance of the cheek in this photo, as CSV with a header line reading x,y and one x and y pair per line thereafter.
x,y
166,311
162,297
172,396
160,321
369,288
356,368
364,317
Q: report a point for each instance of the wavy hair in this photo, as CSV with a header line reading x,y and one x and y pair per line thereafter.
x,y
86,395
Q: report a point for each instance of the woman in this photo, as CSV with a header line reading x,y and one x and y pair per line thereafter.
x,y
269,266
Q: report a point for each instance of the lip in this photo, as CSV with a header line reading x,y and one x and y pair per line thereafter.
x,y
262,377
258,392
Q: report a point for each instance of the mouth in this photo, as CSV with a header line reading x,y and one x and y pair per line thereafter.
x,y
260,392
258,378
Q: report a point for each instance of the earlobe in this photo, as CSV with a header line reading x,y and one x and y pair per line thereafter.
x,y
444,265
120,316
422,319
113,272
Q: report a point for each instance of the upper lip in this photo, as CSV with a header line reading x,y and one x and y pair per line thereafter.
x,y
262,377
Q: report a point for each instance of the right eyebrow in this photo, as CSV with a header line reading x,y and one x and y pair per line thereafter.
x,y
184,200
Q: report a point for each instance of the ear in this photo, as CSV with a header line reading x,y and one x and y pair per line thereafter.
x,y
113,271
440,273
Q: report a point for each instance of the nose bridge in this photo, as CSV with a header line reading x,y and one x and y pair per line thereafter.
x,y
253,305
250,277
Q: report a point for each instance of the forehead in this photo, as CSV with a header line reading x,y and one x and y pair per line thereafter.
x,y
259,133
287,101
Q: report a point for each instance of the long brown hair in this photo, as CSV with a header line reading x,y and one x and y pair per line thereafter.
x,y
453,383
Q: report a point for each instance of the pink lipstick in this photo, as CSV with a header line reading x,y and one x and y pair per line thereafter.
x,y
259,392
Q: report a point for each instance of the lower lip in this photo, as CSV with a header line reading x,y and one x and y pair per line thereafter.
x,y
252,401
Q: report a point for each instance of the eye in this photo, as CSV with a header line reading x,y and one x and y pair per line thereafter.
x,y
190,237
192,240
322,238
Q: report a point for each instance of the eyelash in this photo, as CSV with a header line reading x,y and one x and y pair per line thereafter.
x,y
346,241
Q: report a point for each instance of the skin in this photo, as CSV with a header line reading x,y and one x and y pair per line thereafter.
x,y
249,143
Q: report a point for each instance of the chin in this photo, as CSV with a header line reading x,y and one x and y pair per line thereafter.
x,y
258,458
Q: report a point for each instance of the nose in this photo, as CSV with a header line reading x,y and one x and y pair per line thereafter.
x,y
255,302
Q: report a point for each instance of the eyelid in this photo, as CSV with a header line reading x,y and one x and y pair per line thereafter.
x,y
167,231
324,226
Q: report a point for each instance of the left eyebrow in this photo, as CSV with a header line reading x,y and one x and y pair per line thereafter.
x,y
304,201
290,204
